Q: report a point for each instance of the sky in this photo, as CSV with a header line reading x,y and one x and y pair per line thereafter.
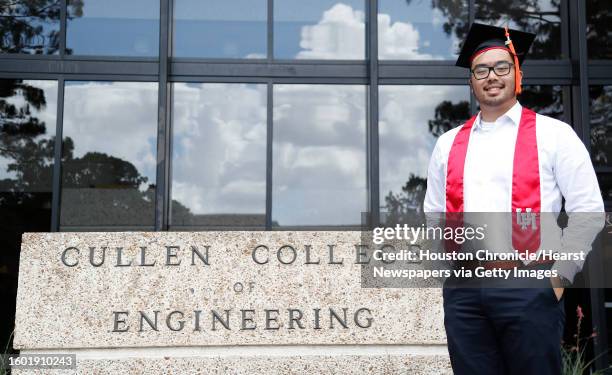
x,y
116,118
218,28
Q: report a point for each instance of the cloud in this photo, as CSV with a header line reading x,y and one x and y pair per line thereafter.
x,y
319,151
340,34
437,18
219,147
117,118
255,56
405,140
399,40
319,154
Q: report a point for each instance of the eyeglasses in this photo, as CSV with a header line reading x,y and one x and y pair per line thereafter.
x,y
502,68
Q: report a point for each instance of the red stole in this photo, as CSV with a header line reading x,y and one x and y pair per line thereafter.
x,y
525,183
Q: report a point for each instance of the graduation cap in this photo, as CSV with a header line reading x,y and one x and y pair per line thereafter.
x,y
482,38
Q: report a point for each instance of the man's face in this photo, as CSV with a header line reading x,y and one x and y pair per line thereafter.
x,y
494,90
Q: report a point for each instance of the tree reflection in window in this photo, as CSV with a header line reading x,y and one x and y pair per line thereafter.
x,y
103,190
454,15
545,100
599,19
601,125
33,26
406,206
108,155
605,185
26,150
27,137
408,131
542,17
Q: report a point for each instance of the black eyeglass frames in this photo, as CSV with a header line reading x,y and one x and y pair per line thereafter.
x,y
502,68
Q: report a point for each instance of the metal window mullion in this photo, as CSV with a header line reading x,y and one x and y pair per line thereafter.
x,y
372,134
57,159
269,152
162,191
471,19
566,98
63,25
584,123
574,32
471,11
565,29
566,54
598,313
270,30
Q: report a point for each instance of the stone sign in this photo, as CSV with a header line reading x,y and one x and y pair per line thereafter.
x,y
221,302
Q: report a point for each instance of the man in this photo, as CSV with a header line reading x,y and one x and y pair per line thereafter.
x,y
509,159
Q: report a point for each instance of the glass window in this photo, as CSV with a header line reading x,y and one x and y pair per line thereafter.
x,y
30,27
608,312
113,27
319,29
319,162
408,130
542,17
219,155
601,125
27,138
605,185
545,100
420,30
109,154
220,28
599,19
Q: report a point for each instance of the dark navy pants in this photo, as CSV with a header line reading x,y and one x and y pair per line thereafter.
x,y
504,330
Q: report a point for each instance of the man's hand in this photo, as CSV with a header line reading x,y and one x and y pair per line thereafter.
x,y
557,285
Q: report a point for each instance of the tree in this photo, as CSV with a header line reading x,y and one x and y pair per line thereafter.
x,y
545,100
406,206
33,26
30,156
526,14
447,116
601,123
599,19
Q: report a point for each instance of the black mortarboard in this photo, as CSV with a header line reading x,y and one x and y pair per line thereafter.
x,y
481,37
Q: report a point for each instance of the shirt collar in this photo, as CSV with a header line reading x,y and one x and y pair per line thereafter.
x,y
513,114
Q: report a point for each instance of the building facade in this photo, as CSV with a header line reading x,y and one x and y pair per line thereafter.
x,y
262,114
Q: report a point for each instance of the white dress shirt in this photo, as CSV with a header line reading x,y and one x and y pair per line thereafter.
x,y
565,171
